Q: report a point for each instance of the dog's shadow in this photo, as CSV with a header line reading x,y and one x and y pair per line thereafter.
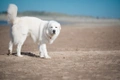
x,y
26,54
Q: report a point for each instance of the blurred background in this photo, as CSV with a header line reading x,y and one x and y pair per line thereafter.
x,y
64,11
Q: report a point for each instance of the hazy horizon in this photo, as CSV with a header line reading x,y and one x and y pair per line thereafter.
x,y
94,8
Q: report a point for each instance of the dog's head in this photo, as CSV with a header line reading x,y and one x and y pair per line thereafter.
x,y
54,28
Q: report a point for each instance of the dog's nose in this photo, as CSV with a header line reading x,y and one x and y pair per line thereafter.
x,y
53,31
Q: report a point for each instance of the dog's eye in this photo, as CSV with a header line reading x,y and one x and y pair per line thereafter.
x,y
51,27
55,27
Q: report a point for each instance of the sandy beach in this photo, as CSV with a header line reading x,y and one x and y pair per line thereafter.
x,y
81,52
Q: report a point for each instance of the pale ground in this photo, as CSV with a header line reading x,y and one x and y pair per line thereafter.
x,y
81,52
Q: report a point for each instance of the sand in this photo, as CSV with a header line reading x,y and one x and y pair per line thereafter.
x,y
81,52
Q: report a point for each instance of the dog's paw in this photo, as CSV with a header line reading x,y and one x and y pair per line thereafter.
x,y
9,52
47,57
19,55
41,56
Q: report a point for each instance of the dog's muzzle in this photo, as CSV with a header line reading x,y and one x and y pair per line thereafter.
x,y
54,31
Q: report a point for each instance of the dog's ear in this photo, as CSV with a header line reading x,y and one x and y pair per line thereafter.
x,y
60,27
49,23
46,28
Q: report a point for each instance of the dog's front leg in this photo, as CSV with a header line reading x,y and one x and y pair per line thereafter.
x,y
19,50
43,51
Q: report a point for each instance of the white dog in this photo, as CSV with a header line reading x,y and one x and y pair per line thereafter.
x,y
41,31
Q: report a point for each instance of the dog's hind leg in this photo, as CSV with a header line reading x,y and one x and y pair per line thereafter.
x,y
10,48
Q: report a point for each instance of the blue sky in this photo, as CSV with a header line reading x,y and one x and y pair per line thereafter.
x,y
96,8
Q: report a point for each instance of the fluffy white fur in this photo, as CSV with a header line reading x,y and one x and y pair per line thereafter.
x,y
41,31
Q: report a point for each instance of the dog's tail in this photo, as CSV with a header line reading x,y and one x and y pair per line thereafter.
x,y
12,13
